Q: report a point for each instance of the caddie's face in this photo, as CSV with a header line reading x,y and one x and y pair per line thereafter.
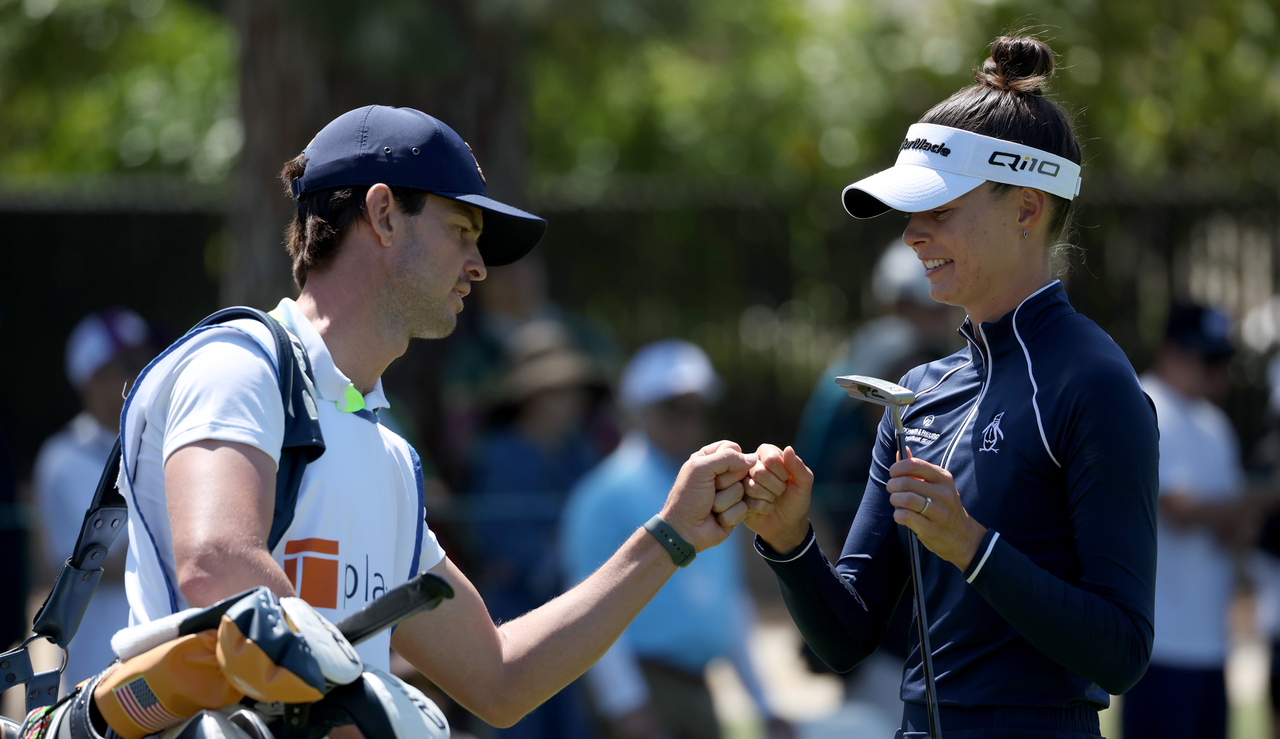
x,y
437,266
972,250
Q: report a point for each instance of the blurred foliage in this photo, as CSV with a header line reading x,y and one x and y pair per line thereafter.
x,y
93,86
802,94
809,93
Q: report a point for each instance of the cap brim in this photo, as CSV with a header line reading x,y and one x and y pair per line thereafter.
x,y
508,234
906,187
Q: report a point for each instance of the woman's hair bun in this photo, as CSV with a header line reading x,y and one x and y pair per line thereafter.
x,y
1018,64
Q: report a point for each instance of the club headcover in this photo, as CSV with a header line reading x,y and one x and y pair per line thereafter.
x,y
135,640
282,650
382,706
205,725
163,686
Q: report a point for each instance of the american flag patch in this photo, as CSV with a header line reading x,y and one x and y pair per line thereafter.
x,y
142,705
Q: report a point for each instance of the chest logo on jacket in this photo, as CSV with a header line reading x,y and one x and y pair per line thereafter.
x,y
992,435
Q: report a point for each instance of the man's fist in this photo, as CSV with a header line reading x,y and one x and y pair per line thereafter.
x,y
706,502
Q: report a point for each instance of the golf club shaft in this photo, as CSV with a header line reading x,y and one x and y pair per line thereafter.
x,y
422,593
922,618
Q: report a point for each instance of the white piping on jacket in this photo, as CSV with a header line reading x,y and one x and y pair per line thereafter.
x,y
985,554
955,440
1035,389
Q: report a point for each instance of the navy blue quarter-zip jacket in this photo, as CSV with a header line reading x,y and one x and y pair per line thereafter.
x,y
1053,447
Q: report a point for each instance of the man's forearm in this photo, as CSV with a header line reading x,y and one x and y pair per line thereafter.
x,y
502,675
550,647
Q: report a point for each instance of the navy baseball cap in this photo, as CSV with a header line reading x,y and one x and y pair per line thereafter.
x,y
1205,332
408,148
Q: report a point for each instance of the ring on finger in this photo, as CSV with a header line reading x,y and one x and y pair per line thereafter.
x,y
927,501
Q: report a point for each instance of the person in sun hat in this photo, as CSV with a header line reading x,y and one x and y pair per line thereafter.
x,y
392,226
105,351
536,448
1032,475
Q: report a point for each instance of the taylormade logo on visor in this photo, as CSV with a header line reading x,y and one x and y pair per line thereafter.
x,y
924,144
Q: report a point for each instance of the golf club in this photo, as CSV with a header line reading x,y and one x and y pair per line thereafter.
x,y
894,397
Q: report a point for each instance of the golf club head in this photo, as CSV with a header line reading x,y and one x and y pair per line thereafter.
x,y
873,390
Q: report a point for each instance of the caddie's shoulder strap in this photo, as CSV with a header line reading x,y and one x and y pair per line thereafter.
x,y
303,442
60,616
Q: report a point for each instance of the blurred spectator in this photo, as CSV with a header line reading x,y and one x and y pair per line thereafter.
x,y
523,470
836,436
1183,693
651,682
14,538
510,298
1265,566
105,352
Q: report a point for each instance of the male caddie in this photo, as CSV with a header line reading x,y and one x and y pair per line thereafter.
x,y
393,225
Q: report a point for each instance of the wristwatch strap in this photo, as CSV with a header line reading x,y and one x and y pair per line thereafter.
x,y
680,550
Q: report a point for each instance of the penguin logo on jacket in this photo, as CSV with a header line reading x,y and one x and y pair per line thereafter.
x,y
992,435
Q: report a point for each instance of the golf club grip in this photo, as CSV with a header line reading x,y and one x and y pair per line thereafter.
x,y
422,593
922,618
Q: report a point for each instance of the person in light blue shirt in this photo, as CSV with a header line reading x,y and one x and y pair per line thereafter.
x,y
650,683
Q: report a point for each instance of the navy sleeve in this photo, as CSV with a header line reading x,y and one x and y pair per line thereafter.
x,y
844,610
1108,445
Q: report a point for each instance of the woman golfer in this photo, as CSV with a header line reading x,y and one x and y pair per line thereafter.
x,y
1032,477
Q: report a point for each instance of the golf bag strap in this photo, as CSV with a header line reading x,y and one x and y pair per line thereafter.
x,y
60,616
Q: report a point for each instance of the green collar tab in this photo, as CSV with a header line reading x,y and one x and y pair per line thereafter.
x,y
352,400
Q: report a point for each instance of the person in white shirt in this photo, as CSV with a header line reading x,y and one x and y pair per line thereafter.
x,y
393,225
105,351
1183,693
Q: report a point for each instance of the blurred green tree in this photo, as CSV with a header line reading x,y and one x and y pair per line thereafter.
x,y
95,86
807,94
797,93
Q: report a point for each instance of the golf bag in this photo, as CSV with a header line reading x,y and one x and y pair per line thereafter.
x,y
252,666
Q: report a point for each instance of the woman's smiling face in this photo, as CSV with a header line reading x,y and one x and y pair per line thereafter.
x,y
974,253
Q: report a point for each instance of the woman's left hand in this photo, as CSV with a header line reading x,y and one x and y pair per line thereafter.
x,y
927,502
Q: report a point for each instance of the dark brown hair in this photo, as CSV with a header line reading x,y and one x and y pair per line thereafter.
x,y
1008,102
323,217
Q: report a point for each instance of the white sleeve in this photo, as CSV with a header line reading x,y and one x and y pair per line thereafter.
x,y
432,553
226,390
741,658
616,683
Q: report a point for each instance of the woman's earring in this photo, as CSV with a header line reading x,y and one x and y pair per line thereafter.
x,y
1024,233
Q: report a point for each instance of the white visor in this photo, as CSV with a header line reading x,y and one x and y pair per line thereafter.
x,y
937,164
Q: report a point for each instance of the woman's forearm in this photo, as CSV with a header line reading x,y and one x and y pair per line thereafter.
x,y
1080,630
838,623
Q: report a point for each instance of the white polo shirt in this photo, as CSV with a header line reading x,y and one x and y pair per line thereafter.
x,y
359,521
1199,457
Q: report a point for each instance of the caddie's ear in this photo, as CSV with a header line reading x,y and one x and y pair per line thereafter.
x,y
1032,205
380,211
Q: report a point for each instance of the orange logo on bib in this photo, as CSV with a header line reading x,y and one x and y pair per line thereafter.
x,y
314,576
